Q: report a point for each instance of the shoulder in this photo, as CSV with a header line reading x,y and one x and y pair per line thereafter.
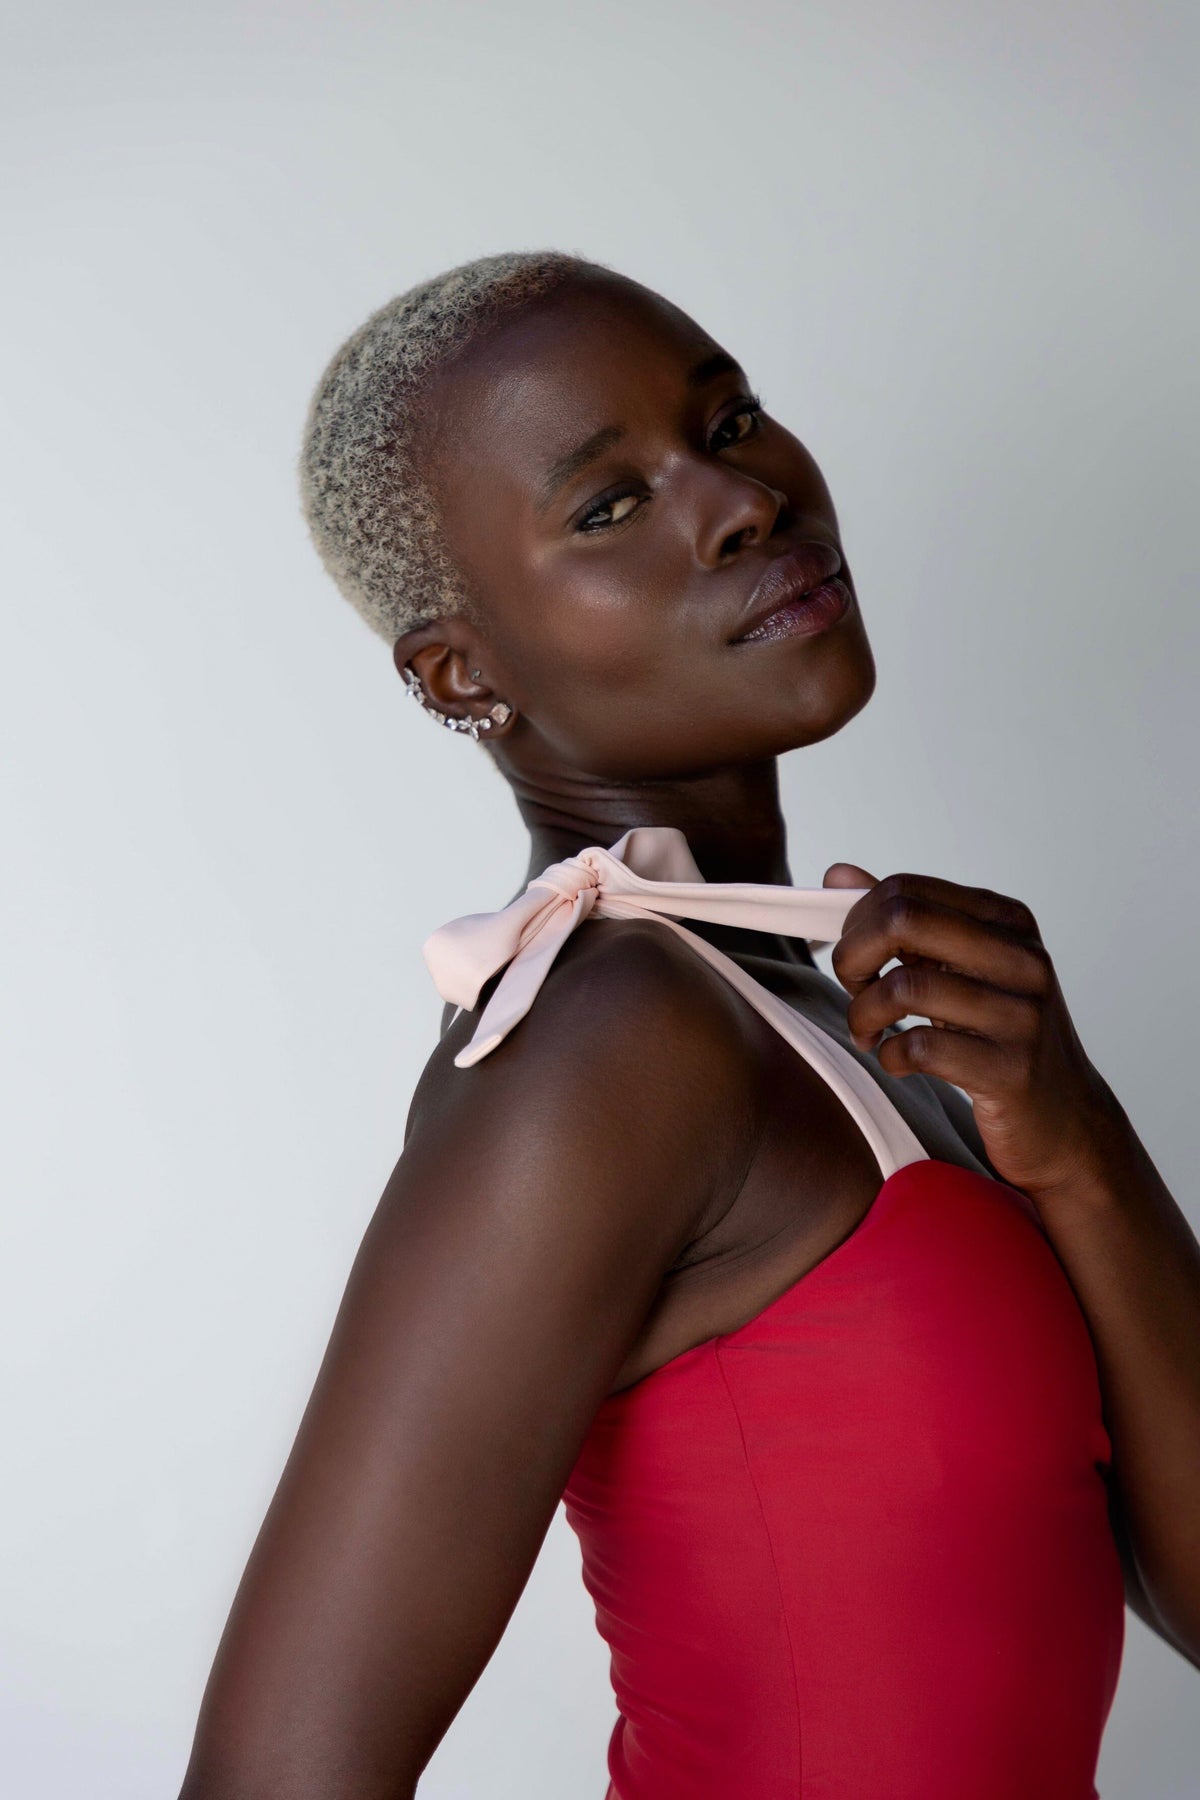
x,y
635,1049
619,989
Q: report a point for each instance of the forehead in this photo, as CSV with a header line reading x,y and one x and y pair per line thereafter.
x,y
592,354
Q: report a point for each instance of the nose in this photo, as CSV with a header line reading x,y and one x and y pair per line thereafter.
x,y
738,511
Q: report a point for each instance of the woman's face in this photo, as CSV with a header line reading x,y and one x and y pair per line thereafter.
x,y
614,497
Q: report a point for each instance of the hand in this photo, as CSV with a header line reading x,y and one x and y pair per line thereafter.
x,y
972,962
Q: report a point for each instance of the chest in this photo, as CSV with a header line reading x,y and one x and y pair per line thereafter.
x,y
811,1183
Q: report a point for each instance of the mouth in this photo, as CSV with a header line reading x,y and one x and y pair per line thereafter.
x,y
798,593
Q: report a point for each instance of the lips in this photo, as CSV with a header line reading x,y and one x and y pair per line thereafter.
x,y
788,578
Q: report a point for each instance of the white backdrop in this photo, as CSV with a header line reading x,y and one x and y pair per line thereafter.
x,y
948,244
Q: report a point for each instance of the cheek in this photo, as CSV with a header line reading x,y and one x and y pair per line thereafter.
x,y
808,484
602,631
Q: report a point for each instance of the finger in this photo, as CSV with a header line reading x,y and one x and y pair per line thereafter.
x,y
978,903
978,1065
948,1000
907,926
844,874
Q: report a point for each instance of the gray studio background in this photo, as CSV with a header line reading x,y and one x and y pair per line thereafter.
x,y
950,246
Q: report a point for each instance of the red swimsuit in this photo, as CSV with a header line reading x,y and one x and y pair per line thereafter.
x,y
859,1548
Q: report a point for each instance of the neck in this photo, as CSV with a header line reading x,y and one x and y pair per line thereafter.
x,y
731,819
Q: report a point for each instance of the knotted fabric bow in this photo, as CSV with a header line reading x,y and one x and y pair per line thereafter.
x,y
648,873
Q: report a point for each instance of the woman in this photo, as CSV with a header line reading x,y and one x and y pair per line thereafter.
x,y
871,1408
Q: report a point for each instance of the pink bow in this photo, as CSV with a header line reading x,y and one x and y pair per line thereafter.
x,y
647,873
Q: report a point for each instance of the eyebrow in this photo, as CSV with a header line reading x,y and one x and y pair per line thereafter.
x,y
564,467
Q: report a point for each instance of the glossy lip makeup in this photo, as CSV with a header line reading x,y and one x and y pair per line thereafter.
x,y
804,616
799,593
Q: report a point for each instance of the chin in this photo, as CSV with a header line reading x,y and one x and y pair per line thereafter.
x,y
820,712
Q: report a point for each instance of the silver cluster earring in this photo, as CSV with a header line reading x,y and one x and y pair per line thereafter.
x,y
499,713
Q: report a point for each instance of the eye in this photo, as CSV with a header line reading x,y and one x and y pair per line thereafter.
x,y
745,423
749,413
590,521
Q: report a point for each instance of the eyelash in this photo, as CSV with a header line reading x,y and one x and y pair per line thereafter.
x,y
752,404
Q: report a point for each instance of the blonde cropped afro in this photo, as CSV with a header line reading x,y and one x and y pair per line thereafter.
x,y
371,514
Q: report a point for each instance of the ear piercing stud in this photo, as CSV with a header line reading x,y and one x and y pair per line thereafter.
x,y
498,713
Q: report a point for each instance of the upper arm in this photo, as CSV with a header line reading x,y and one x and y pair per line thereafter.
x,y
509,1266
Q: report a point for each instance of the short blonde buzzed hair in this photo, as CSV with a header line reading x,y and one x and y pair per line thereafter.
x,y
372,516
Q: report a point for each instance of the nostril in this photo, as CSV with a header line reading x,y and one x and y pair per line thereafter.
x,y
748,534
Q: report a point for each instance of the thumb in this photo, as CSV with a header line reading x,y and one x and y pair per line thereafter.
x,y
845,874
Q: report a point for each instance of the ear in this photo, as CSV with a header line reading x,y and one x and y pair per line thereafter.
x,y
443,657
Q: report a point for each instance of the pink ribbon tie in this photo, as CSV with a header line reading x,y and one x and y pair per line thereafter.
x,y
652,873
527,934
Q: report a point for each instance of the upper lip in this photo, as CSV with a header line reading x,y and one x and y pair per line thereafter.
x,y
788,577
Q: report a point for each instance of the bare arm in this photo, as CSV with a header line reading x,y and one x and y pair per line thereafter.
x,y
962,1114
509,1267
1134,1262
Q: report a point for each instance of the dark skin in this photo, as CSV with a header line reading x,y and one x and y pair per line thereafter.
x,y
505,1264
